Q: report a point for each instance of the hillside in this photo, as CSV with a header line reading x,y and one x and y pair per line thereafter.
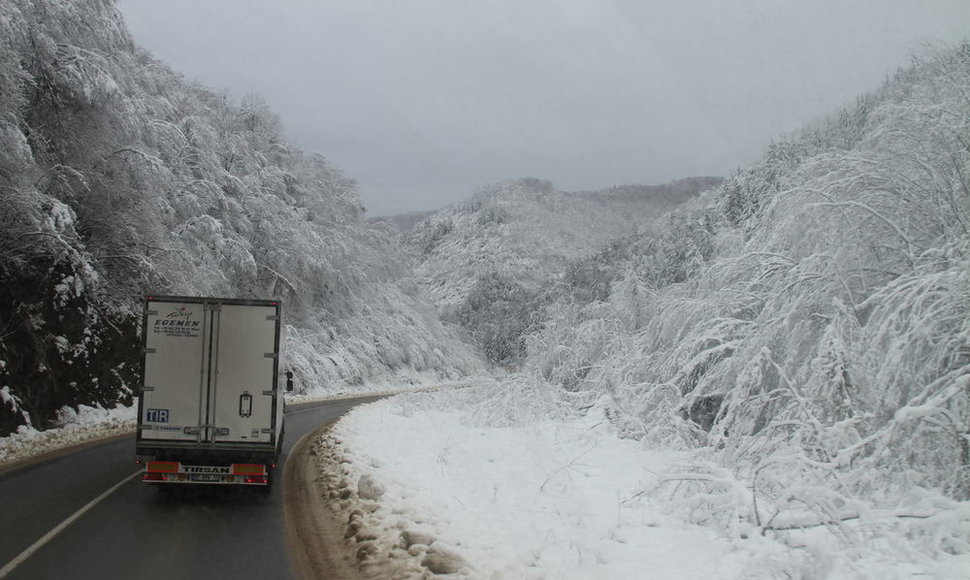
x,y
491,263
815,327
119,178
780,372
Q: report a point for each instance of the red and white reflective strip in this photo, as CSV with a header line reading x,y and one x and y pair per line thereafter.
x,y
176,472
163,466
248,469
160,470
252,473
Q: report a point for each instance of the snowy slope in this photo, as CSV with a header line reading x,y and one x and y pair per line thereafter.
x,y
527,231
784,375
492,264
119,178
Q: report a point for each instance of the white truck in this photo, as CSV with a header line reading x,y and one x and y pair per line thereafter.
x,y
210,409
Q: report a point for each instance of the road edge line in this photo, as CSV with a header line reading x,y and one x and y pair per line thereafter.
x,y
12,564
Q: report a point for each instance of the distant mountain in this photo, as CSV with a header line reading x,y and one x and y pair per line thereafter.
x,y
519,239
667,194
401,222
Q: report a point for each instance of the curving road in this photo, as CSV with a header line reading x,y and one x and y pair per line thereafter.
x,y
136,531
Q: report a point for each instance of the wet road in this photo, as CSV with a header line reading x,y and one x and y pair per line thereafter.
x,y
137,531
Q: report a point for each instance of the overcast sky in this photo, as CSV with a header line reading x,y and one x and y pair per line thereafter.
x,y
421,101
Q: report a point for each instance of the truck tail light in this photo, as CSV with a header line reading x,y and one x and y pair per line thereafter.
x,y
155,477
257,479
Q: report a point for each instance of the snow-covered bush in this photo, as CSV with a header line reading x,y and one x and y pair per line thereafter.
x,y
498,313
806,333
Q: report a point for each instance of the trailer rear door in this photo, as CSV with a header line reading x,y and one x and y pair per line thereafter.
x,y
172,405
242,399
210,372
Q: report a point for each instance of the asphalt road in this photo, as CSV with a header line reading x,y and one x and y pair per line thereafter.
x,y
137,531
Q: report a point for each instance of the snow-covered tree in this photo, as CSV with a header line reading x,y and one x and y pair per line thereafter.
x,y
119,178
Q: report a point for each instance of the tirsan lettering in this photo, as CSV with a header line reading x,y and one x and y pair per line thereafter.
x,y
204,469
192,323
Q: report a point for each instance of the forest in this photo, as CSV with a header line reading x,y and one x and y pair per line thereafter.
x,y
795,340
119,178
803,327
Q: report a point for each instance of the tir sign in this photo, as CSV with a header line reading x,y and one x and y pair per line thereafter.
x,y
157,416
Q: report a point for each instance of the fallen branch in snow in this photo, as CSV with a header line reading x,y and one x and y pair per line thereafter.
x,y
834,521
569,466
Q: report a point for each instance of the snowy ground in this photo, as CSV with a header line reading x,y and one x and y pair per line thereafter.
x,y
405,383
456,483
87,424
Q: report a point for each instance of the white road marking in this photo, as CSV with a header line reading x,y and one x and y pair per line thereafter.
x,y
317,408
288,413
8,568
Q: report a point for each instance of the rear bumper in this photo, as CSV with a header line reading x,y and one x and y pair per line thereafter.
x,y
220,453
177,472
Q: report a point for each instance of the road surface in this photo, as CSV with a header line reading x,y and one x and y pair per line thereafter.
x,y
136,531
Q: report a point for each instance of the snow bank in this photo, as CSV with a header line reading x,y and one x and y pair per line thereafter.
x,y
433,482
407,381
74,427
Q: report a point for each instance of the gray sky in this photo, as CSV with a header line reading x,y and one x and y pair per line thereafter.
x,y
421,101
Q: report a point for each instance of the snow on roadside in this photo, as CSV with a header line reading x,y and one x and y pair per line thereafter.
x,y
452,483
74,427
405,382
550,499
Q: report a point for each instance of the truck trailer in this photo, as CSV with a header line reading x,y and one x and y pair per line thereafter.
x,y
210,409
